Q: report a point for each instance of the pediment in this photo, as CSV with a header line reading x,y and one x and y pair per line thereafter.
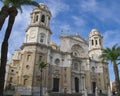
x,y
80,39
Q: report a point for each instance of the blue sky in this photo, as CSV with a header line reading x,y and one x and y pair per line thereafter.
x,y
79,16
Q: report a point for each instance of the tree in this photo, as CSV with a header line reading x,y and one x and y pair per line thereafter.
x,y
113,55
14,5
4,12
42,65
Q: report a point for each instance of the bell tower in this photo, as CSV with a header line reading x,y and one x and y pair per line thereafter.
x,y
38,30
95,44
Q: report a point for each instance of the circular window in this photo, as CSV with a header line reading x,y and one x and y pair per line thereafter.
x,y
93,68
57,61
27,67
12,70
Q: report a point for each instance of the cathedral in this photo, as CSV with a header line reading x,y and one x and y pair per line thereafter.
x,y
72,67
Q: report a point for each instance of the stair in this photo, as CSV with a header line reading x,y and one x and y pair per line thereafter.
x,y
58,94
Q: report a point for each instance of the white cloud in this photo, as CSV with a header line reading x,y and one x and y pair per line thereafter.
x,y
79,21
65,27
111,37
23,19
88,5
57,6
102,10
59,29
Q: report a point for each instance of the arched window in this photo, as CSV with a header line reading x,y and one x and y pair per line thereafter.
x,y
77,50
99,41
36,18
28,57
92,42
27,67
43,18
42,38
40,58
93,69
12,70
76,66
25,81
96,42
76,84
75,53
57,61
11,79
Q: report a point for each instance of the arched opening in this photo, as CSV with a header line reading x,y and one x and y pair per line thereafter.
x,y
96,42
93,86
42,38
43,18
92,42
76,84
28,57
25,81
36,18
99,41
77,50
11,79
76,66
56,84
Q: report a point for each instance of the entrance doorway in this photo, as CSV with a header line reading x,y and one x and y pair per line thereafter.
x,y
56,84
76,84
93,86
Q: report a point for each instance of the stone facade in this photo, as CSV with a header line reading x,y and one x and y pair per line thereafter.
x,y
73,66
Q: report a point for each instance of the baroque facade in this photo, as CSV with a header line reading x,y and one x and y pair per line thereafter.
x,y
73,66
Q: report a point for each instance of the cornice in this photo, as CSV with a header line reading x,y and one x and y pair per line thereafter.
x,y
33,44
98,61
40,26
95,49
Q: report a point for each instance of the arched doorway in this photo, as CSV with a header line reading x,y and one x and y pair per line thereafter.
x,y
76,84
93,86
56,84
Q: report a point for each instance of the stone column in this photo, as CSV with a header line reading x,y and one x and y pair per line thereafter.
x,y
83,82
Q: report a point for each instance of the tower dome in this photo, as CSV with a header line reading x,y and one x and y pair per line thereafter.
x,y
53,45
43,6
94,32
